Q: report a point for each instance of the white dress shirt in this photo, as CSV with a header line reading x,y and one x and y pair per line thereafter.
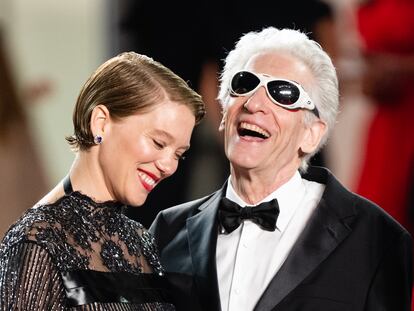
x,y
249,257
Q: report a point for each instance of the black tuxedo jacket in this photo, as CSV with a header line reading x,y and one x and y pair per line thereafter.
x,y
350,256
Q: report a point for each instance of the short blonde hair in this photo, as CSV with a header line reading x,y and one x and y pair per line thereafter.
x,y
127,84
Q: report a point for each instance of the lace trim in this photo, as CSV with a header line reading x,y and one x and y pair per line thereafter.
x,y
82,234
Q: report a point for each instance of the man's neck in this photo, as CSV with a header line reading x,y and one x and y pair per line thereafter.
x,y
252,187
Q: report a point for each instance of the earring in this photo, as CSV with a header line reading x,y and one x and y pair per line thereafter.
x,y
97,139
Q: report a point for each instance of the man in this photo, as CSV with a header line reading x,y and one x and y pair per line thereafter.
x,y
314,245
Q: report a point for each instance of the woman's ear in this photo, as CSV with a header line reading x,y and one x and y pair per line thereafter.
x,y
313,136
100,118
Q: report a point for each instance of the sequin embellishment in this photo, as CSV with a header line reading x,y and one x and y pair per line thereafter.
x,y
82,234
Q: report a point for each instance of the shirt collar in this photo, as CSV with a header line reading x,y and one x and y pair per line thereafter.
x,y
288,196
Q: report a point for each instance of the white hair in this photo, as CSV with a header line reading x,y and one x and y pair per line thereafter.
x,y
324,91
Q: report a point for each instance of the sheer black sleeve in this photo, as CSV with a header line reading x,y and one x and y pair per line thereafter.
x,y
29,279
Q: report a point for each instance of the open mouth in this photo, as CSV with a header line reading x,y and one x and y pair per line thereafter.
x,y
148,180
251,130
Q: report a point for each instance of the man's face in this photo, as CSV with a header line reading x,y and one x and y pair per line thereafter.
x,y
260,135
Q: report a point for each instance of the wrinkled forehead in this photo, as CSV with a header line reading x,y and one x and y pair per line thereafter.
x,y
280,65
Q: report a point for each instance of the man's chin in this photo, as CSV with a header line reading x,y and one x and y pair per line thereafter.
x,y
245,164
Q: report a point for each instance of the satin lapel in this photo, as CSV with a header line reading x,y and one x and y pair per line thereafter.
x,y
202,238
321,236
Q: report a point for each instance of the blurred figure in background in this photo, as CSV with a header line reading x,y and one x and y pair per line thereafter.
x,y
22,179
376,69
386,29
372,148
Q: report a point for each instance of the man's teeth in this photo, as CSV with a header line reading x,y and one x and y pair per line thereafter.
x,y
254,128
146,178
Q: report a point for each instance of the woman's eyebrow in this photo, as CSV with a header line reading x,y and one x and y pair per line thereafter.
x,y
169,137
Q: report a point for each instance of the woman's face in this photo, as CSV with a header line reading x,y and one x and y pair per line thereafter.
x,y
139,151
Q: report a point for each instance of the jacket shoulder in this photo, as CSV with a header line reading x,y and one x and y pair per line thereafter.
x,y
379,217
184,210
169,222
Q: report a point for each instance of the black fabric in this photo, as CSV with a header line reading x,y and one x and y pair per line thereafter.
x,y
42,249
88,286
67,185
350,255
264,215
183,292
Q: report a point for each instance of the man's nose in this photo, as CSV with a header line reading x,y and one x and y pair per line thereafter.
x,y
258,101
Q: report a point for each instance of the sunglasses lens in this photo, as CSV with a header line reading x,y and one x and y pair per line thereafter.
x,y
283,92
244,82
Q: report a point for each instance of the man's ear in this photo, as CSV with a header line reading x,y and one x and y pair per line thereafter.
x,y
100,118
223,121
313,136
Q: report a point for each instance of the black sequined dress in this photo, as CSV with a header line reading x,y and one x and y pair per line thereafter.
x,y
76,254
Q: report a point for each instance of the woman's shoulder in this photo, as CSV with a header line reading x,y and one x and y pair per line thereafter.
x,y
57,228
44,215
27,228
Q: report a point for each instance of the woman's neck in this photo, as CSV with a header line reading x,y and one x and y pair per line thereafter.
x,y
87,177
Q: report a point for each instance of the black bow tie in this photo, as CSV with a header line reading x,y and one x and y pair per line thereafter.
x,y
231,214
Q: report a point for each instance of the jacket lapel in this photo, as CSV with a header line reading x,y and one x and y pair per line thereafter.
x,y
326,229
202,230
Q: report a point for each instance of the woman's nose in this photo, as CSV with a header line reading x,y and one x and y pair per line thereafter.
x,y
167,165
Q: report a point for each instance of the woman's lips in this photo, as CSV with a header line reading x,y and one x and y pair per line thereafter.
x,y
148,180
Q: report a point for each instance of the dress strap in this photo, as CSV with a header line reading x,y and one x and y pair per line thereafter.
x,y
67,185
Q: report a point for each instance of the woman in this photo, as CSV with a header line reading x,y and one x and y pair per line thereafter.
x,y
75,249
